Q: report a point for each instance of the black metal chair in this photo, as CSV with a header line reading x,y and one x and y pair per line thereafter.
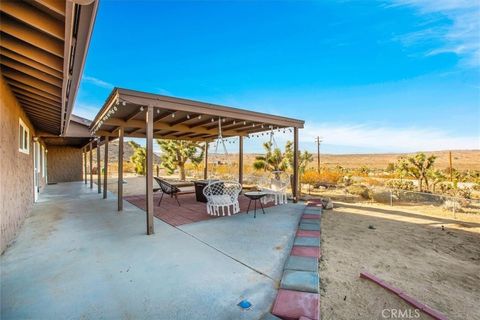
x,y
170,189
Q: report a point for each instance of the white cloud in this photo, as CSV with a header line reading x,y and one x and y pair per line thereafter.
x,y
97,82
387,138
461,37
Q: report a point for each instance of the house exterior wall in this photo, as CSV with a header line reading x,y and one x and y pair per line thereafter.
x,y
65,164
16,168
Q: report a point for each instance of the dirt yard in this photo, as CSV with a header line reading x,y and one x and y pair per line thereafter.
x,y
406,248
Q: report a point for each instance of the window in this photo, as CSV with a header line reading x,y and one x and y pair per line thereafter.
x,y
23,137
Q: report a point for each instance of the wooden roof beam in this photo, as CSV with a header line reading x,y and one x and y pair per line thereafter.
x,y
32,72
30,96
32,36
28,90
204,122
35,18
39,104
31,81
164,126
32,52
183,119
31,63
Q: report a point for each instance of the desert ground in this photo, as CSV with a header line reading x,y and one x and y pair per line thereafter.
x,y
405,246
408,249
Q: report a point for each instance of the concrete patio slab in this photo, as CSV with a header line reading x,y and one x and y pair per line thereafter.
x,y
76,257
262,243
302,263
305,281
306,241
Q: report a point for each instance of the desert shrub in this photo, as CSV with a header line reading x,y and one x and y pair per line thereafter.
x,y
316,179
372,182
452,205
400,184
359,190
464,193
347,180
310,177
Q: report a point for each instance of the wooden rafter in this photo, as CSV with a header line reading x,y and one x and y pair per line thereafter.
x,y
32,63
35,18
31,81
31,91
32,52
31,36
25,69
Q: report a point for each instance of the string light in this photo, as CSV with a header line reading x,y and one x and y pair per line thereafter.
x,y
188,116
141,108
124,103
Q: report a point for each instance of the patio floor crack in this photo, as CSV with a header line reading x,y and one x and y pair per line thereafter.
x,y
226,254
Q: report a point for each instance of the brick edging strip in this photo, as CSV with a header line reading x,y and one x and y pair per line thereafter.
x,y
410,300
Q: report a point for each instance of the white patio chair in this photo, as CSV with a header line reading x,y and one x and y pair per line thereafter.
x,y
222,196
276,188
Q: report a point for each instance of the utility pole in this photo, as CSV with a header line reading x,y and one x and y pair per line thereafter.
x,y
451,169
318,140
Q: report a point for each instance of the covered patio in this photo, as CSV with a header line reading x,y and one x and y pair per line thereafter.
x,y
128,113
78,256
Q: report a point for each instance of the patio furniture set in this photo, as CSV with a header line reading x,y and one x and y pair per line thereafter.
x,y
221,197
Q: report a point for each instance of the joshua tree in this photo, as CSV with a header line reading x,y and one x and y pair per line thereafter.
x,y
138,157
177,152
273,160
417,166
304,157
436,176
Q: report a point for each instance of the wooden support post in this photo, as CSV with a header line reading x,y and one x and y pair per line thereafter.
x,y
149,169
105,169
90,147
295,190
120,168
99,165
240,159
205,169
85,164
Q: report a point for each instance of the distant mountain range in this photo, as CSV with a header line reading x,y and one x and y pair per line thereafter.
x,y
461,159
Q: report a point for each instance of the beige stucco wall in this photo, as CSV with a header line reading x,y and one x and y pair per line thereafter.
x,y
64,164
16,168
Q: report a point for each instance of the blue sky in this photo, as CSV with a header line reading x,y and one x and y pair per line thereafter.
x,y
367,76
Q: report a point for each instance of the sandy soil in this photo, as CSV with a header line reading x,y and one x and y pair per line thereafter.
x,y
407,249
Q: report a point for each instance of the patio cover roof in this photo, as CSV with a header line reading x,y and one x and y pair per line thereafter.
x,y
42,52
181,119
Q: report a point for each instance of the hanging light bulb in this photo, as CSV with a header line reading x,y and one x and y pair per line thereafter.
x,y
158,110
141,108
244,123
213,120
173,115
188,116
124,103
234,122
199,117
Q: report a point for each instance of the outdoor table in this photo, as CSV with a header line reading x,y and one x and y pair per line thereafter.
x,y
255,196
199,186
